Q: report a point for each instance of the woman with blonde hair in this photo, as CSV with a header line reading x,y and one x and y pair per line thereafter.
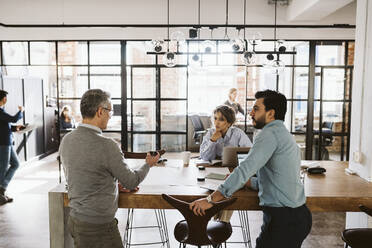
x,y
66,121
231,102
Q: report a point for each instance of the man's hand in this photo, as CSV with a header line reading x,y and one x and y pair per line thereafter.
x,y
152,160
125,190
248,183
199,206
216,135
21,108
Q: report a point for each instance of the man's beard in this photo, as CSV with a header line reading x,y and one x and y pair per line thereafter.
x,y
259,124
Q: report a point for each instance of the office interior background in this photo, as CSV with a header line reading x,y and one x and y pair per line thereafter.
x,y
46,64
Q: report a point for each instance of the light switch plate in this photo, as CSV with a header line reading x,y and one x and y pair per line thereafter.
x,y
357,156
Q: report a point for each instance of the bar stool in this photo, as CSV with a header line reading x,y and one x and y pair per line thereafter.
x,y
198,230
161,222
244,226
358,237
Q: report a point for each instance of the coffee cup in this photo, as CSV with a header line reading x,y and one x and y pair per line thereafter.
x,y
186,157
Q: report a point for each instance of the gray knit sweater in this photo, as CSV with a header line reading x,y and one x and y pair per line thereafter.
x,y
92,165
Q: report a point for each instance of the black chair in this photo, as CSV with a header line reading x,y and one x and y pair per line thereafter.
x,y
161,220
358,237
199,129
327,133
326,140
197,230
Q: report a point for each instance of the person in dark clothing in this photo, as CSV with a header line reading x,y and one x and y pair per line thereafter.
x,y
7,153
66,120
231,102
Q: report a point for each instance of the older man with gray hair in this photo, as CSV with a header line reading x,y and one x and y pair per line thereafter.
x,y
93,164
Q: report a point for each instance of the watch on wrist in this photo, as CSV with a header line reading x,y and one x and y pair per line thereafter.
x,y
209,199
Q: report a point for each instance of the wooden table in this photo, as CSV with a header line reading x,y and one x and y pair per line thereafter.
x,y
334,191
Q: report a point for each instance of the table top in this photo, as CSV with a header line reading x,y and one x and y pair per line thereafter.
x,y
333,191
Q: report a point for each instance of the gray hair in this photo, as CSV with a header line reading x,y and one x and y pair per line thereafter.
x,y
92,100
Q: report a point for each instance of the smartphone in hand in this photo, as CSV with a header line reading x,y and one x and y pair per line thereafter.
x,y
153,153
23,127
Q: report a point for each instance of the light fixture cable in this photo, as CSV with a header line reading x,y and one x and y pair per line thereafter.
x,y
227,19
275,26
168,24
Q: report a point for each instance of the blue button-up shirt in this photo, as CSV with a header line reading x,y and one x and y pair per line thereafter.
x,y
275,157
234,137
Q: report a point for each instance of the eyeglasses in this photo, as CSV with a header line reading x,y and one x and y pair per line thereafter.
x,y
111,112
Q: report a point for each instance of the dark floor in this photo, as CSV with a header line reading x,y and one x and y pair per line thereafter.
x,y
24,223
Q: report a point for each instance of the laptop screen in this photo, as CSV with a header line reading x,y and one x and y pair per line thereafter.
x,y
229,155
241,156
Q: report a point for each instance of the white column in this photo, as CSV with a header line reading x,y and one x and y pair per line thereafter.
x,y
361,115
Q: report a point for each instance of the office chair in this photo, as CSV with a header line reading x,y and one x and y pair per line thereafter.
x,y
327,136
197,230
161,220
358,237
326,140
199,129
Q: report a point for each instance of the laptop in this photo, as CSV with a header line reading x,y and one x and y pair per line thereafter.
x,y
230,155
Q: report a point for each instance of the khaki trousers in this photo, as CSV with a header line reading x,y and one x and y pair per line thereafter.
x,y
89,235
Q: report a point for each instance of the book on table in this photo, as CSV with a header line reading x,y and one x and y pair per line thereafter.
x,y
215,162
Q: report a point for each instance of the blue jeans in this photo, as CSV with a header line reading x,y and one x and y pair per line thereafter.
x,y
7,156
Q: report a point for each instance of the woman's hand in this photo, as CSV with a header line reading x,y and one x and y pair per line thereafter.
x,y
216,135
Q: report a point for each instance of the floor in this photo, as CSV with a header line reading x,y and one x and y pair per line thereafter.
x,y
24,223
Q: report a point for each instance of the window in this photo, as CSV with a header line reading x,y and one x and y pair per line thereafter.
x,y
158,99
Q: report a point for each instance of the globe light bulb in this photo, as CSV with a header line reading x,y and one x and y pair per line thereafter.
x,y
208,46
282,49
194,62
254,38
237,44
195,57
249,58
169,59
157,45
178,36
277,66
270,56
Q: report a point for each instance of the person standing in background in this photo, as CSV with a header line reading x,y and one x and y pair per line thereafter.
x,y
7,153
67,121
231,102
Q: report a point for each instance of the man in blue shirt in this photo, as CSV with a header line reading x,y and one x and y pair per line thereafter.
x,y
275,158
7,153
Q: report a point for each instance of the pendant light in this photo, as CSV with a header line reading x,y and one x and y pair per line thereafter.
x,y
169,58
248,57
276,65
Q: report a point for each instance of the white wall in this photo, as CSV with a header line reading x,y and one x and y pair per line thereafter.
x,y
154,12
361,118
